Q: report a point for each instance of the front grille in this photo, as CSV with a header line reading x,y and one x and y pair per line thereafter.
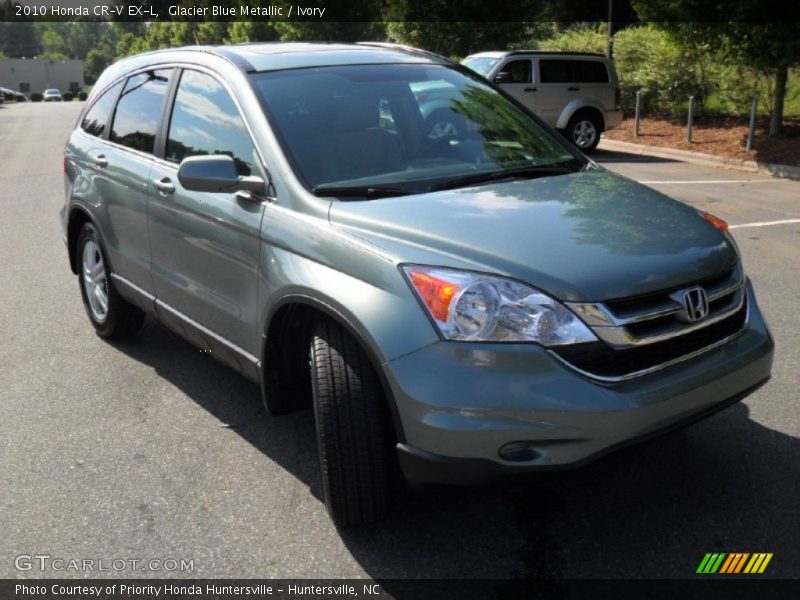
x,y
637,305
601,360
657,317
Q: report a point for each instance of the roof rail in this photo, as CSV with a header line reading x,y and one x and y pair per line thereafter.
x,y
392,45
554,52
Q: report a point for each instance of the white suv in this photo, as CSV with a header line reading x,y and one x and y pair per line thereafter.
x,y
577,93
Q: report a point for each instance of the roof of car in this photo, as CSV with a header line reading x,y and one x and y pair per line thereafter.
x,y
503,53
271,56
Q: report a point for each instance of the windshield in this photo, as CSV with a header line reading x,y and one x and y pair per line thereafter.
x,y
382,130
51,91
480,64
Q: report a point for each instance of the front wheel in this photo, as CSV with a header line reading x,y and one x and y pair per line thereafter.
x,y
353,432
111,315
583,130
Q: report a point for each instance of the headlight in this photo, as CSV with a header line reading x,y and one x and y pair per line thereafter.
x,y
482,308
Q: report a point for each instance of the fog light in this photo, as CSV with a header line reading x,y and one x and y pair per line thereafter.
x,y
518,452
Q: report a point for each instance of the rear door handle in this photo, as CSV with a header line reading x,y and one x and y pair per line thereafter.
x,y
100,160
573,89
530,89
164,185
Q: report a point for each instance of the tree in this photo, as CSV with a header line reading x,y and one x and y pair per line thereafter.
x,y
19,40
456,30
762,35
361,20
251,31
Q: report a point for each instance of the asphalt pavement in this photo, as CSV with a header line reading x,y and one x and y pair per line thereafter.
x,y
149,449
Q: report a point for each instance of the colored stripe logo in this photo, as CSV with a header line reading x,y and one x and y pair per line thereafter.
x,y
734,562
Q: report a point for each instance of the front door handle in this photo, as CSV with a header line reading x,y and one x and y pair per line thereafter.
x,y
164,185
530,89
100,160
573,89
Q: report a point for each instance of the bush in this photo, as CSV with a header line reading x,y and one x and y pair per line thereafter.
x,y
66,96
36,97
582,38
666,71
82,96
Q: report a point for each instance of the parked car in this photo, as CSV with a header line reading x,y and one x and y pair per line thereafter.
x,y
577,93
52,95
12,96
473,306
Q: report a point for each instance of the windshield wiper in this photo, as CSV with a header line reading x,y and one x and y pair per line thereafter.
x,y
365,191
527,172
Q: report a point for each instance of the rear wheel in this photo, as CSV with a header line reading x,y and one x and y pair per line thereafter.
x,y
111,315
353,431
583,130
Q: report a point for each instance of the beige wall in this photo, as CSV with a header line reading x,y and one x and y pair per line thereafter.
x,y
40,74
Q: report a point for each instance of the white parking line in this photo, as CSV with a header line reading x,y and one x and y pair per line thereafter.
x,y
764,223
715,181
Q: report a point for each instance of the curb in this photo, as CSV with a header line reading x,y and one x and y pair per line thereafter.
x,y
751,166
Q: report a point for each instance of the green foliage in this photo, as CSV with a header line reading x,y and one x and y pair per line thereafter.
x,y
320,31
580,38
667,72
19,40
82,96
96,61
456,39
66,96
211,32
251,31
37,97
747,39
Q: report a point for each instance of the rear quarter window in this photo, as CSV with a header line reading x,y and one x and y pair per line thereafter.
x,y
96,119
591,71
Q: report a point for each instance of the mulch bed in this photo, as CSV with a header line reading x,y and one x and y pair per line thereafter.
x,y
721,136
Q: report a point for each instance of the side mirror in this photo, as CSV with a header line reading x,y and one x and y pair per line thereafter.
x,y
216,173
503,77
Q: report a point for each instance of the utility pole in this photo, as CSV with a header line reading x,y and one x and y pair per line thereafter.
x,y
608,37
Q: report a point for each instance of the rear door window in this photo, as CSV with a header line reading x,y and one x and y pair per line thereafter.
x,y
139,109
591,71
205,120
556,71
96,119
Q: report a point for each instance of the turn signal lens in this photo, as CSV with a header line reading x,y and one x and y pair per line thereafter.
x,y
436,293
716,222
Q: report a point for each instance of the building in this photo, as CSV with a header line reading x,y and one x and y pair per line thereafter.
x,y
30,75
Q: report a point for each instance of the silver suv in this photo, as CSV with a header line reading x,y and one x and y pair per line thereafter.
x,y
577,93
467,305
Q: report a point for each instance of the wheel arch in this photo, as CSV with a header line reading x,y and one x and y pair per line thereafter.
x,y
77,218
285,384
581,106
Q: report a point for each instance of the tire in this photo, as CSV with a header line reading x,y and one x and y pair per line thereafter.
x,y
444,123
119,318
583,131
353,432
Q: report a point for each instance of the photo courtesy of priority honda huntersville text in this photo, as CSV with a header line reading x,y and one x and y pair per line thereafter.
x,y
463,303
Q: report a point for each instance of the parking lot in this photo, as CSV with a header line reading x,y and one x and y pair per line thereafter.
x,y
151,449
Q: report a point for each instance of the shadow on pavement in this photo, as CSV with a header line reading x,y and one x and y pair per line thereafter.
x,y
612,156
726,484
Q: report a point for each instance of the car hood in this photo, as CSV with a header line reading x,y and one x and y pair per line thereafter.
x,y
586,236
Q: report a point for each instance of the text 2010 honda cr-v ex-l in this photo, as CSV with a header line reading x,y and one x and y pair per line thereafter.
x,y
473,305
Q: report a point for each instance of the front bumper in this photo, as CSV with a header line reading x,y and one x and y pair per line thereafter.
x,y
459,404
